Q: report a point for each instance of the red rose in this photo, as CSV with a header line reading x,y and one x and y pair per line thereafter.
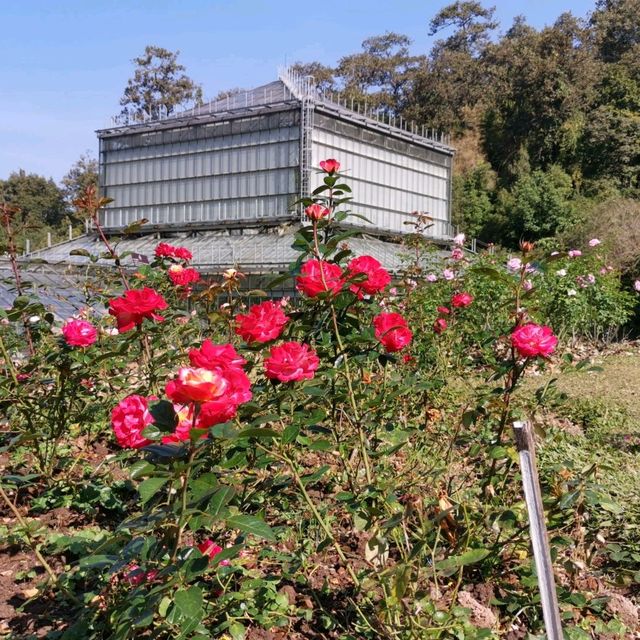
x,y
461,300
445,311
318,276
79,333
196,385
226,407
392,331
182,276
316,212
440,325
216,356
531,340
183,253
136,305
263,323
330,165
377,277
211,549
164,250
291,361
129,419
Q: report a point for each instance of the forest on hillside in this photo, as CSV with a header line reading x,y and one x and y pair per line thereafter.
x,y
546,122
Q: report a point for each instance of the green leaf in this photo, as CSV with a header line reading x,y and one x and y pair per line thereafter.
x,y
290,433
189,603
150,487
164,416
219,500
450,565
258,433
140,468
314,477
93,562
237,631
253,525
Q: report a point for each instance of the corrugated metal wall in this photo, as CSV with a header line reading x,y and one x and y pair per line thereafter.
x,y
390,178
246,168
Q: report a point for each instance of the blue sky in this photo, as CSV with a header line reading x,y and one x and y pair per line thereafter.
x,y
65,63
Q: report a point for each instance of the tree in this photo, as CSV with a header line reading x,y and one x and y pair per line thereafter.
x,y
472,205
542,84
472,22
41,203
82,174
538,206
617,28
323,76
158,86
39,199
381,74
450,86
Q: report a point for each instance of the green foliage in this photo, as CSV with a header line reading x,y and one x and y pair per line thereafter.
x,y
555,108
538,206
82,174
387,477
472,200
41,202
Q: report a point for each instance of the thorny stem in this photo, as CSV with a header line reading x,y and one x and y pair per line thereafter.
x,y
347,371
316,514
34,547
96,221
7,359
184,492
7,212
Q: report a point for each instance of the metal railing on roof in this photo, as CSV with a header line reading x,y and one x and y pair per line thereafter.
x,y
303,87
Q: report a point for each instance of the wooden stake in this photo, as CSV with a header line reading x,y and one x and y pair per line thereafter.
x,y
540,540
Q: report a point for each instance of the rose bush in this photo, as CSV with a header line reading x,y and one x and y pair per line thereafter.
x,y
341,470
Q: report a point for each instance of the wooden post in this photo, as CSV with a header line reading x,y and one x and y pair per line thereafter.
x,y
525,444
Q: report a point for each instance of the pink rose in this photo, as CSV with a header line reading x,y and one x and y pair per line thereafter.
x,y
514,264
432,277
574,253
316,212
594,242
291,361
392,331
330,166
447,274
79,333
377,278
444,310
318,276
129,419
459,239
440,325
461,300
457,253
263,323
531,340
